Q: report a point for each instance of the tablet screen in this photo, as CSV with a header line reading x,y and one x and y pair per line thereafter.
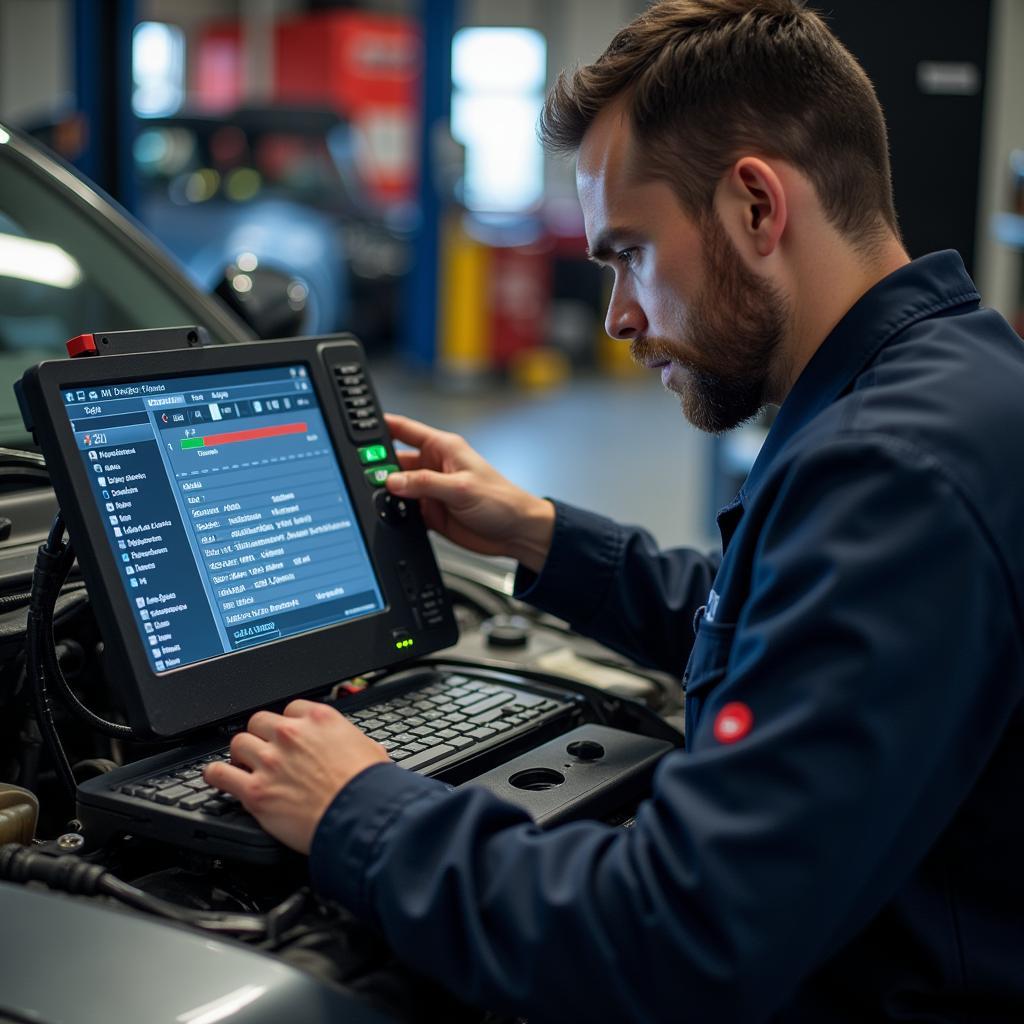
x,y
225,508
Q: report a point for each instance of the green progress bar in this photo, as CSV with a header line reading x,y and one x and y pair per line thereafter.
x,y
193,442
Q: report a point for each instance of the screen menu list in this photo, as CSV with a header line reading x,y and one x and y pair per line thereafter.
x,y
225,508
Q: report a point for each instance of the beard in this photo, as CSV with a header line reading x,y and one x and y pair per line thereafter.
x,y
724,364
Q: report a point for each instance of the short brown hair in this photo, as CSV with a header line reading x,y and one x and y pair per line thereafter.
x,y
706,80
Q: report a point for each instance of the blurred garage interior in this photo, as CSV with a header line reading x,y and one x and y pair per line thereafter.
x,y
375,167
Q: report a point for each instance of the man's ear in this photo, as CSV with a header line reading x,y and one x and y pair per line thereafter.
x,y
751,202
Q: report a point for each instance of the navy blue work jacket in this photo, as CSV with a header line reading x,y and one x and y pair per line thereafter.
x,y
843,839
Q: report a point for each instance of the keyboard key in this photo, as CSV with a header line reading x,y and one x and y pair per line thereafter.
x,y
400,753
160,782
173,794
482,733
491,702
423,730
427,756
143,792
486,716
218,808
196,800
528,699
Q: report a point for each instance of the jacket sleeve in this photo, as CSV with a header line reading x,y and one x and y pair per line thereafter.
x,y
880,657
613,584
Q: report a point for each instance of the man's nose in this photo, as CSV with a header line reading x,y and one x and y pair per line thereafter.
x,y
625,319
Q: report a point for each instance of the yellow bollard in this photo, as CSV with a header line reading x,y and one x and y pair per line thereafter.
x,y
463,337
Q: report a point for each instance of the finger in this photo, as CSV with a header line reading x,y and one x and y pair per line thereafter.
x,y
427,483
301,708
248,750
408,459
228,777
410,431
263,724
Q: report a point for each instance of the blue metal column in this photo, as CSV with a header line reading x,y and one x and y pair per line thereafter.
x,y
102,60
419,344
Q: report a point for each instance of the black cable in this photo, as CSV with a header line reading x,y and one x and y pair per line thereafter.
x,y
209,920
51,564
78,877
116,730
55,538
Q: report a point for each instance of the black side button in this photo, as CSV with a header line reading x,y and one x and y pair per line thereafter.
x,y
391,508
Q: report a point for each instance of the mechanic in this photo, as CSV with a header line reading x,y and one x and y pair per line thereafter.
x,y
843,838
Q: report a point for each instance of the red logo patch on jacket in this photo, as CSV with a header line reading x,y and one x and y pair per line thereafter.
x,y
733,722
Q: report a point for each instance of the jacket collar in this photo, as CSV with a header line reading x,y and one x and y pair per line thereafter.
x,y
922,288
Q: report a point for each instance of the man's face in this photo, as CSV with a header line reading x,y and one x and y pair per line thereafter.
x,y
682,296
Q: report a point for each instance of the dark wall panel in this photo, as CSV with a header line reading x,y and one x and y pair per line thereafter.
x,y
934,137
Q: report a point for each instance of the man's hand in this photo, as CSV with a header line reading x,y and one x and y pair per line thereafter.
x,y
288,768
464,498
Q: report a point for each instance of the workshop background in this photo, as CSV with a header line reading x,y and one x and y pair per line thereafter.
x,y
374,167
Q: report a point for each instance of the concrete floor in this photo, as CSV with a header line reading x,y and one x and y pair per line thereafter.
x,y
620,447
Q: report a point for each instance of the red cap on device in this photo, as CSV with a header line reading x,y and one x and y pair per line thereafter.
x,y
83,345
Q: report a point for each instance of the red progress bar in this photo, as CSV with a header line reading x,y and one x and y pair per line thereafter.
x,y
255,434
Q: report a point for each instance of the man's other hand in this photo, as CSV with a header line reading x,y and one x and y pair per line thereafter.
x,y
286,769
464,498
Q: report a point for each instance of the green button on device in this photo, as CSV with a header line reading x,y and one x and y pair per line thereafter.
x,y
372,453
379,474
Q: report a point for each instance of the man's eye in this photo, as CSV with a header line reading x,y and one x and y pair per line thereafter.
x,y
627,257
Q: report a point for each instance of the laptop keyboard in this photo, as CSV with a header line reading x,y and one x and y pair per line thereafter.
x,y
455,715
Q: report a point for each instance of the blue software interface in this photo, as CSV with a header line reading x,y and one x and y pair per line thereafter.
x,y
223,502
